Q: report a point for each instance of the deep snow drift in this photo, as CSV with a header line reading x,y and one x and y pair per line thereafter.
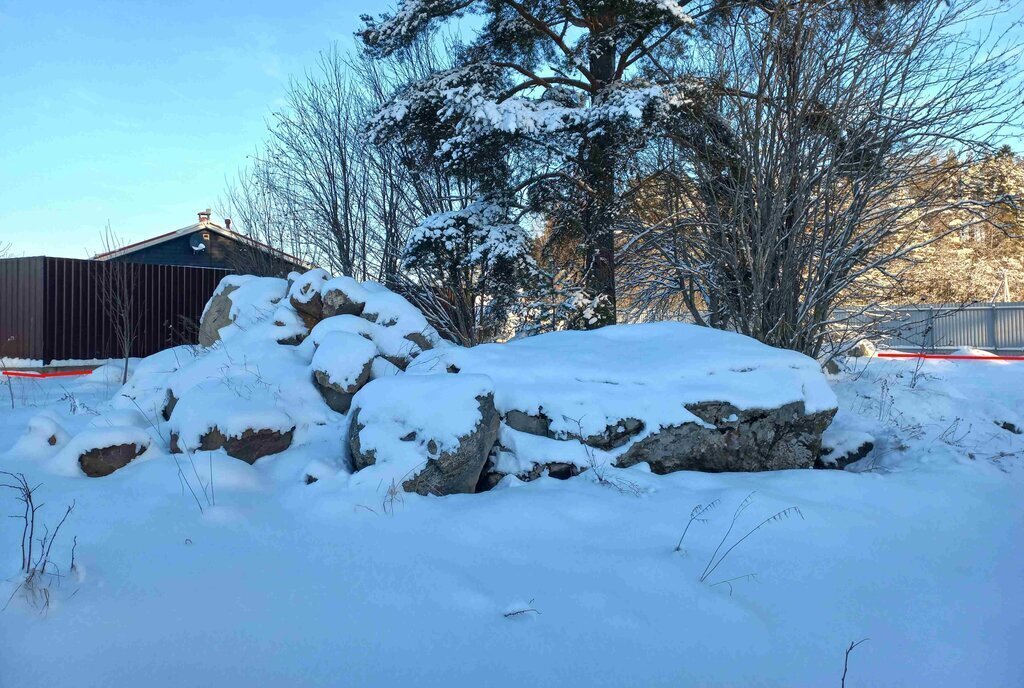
x,y
267,577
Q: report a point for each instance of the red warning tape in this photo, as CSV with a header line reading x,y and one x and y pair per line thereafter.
x,y
950,357
55,373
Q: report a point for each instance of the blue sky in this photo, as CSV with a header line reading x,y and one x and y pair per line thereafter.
x,y
135,112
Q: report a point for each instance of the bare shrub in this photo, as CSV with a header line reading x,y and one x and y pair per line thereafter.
x,y
39,573
846,659
720,554
520,611
696,516
117,285
7,379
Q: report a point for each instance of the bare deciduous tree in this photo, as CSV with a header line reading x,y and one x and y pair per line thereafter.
x,y
266,221
799,177
117,287
316,154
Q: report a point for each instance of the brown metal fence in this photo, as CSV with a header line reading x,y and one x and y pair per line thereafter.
x,y
52,308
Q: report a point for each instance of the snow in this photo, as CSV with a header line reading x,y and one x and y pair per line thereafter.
x,y
387,318
35,442
283,583
389,309
936,410
390,341
839,441
339,323
470,99
972,351
675,9
586,381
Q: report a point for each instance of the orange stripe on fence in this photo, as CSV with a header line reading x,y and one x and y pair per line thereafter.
x,y
56,373
950,357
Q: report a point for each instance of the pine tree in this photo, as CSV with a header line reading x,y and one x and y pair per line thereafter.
x,y
541,110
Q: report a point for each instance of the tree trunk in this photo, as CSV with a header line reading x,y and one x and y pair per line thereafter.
x,y
598,215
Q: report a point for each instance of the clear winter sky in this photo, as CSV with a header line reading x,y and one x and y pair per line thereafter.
x,y
136,111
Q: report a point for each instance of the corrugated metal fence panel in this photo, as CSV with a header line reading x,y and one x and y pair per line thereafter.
x,y
21,307
1009,327
909,329
967,327
56,310
995,327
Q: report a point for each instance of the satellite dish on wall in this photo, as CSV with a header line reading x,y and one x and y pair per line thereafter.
x,y
196,242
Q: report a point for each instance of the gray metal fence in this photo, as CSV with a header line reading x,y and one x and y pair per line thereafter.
x,y
939,327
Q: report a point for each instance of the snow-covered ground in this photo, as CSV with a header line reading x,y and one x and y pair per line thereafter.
x,y
918,547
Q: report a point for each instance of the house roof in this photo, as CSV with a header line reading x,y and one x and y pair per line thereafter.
x,y
205,225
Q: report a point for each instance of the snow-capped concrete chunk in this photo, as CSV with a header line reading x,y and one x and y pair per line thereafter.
x,y
100,451
249,445
864,348
341,366
395,344
745,440
239,302
288,326
217,313
304,296
529,456
843,445
431,434
342,296
676,396
235,415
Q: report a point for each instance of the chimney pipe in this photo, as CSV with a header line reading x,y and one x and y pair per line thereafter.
x,y
227,223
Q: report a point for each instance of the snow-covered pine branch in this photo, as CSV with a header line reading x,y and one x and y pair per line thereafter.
x,y
537,77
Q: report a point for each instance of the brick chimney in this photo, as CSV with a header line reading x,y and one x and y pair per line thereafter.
x,y
204,216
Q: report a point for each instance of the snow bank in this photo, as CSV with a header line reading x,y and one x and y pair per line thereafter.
x,y
913,550
290,354
583,382
43,436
